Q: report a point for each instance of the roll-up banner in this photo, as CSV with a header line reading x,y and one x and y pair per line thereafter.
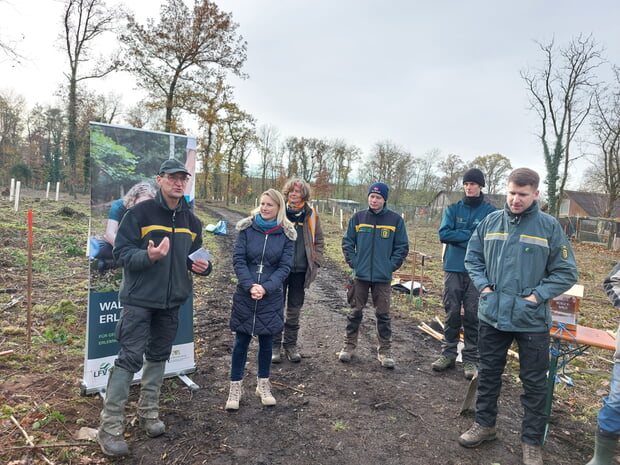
x,y
122,157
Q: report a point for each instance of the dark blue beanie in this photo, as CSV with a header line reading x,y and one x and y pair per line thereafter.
x,y
379,188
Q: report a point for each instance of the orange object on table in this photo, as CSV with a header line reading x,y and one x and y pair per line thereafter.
x,y
585,336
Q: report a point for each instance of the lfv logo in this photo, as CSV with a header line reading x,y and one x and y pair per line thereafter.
x,y
103,370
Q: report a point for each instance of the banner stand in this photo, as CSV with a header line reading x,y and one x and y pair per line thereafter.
x,y
120,158
101,350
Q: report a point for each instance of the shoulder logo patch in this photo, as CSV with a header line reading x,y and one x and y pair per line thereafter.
x,y
565,252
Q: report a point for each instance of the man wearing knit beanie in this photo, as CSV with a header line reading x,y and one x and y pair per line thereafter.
x,y
379,188
474,175
375,245
459,222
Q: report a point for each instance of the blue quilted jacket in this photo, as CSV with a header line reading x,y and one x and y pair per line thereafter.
x,y
275,252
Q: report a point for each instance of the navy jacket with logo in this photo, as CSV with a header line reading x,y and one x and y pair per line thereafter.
x,y
375,244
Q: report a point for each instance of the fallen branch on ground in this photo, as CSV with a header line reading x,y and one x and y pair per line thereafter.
x,y
437,335
286,386
29,441
46,446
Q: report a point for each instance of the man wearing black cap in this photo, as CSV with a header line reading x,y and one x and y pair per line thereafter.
x,y
375,245
152,245
459,222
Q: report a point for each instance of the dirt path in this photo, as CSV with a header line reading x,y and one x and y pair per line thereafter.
x,y
329,412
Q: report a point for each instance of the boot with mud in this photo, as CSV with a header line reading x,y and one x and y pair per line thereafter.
x,y
263,390
292,354
350,343
476,435
111,426
234,395
291,331
532,455
148,403
384,353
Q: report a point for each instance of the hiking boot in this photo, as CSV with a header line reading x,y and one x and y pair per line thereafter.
x,y
112,445
276,357
153,427
263,390
442,363
469,370
234,396
346,353
385,358
292,354
532,455
476,435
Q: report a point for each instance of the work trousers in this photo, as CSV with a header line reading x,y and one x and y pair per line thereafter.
x,y
459,291
294,296
493,346
381,295
240,355
609,414
145,333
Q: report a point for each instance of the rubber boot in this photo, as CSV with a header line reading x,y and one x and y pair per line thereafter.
x,y
276,354
291,331
263,390
234,395
148,404
111,426
604,448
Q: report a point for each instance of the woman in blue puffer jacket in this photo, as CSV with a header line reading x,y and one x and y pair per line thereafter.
x,y
262,261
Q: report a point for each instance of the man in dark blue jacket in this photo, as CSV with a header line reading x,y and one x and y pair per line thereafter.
x,y
153,244
375,245
459,222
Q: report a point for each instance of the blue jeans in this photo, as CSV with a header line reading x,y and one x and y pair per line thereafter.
x,y
240,355
609,414
493,347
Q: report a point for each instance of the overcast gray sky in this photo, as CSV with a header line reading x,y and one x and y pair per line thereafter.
x,y
424,75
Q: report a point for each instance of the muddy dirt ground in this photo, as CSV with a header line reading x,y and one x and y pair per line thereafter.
x,y
327,412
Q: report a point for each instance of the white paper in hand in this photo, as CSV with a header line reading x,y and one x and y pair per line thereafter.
x,y
200,254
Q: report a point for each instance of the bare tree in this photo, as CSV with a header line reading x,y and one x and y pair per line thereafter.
x,y
240,133
211,102
495,168
343,158
12,108
452,168
606,128
185,51
84,22
561,94
266,142
9,47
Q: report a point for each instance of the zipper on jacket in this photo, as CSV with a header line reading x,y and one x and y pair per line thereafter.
x,y
372,246
171,252
259,271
